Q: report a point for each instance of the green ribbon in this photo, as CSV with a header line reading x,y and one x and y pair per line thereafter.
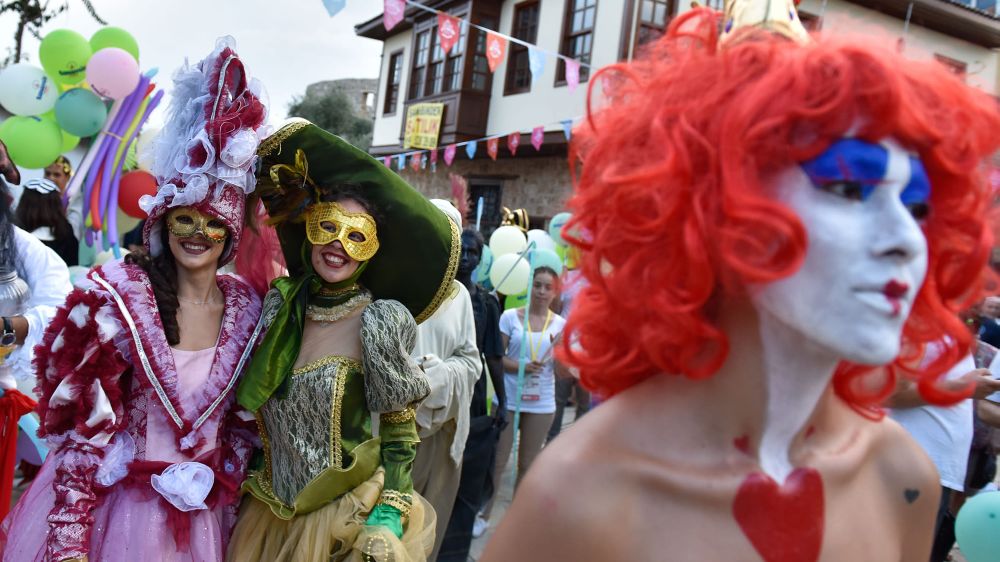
x,y
276,355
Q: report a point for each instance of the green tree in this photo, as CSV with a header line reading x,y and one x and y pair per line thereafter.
x,y
32,15
335,113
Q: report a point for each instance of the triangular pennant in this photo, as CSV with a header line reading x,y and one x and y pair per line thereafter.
x,y
537,137
387,161
572,74
449,154
470,149
334,6
513,141
392,13
434,156
449,30
536,61
401,162
567,125
496,48
492,147
415,162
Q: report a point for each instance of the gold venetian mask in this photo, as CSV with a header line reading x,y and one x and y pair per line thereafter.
x,y
326,222
184,222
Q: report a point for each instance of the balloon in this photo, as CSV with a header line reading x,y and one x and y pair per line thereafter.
x,y
80,112
556,225
33,142
510,274
113,73
69,141
547,258
541,239
26,90
506,240
112,36
145,148
133,186
977,527
515,301
482,272
64,54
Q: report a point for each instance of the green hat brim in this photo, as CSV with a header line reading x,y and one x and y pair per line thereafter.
x,y
419,246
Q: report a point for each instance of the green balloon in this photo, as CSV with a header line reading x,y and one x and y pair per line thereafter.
x,y
32,142
516,301
64,54
69,141
977,527
112,36
80,112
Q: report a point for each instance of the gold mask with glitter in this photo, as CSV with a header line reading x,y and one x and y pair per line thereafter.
x,y
185,222
326,222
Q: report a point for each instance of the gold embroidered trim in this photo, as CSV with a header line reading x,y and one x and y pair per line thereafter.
x,y
339,384
339,311
324,361
265,481
449,275
401,416
398,500
274,141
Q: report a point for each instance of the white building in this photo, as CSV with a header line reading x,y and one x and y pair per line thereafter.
x,y
964,34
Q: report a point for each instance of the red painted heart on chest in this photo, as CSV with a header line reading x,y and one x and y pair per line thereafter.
x,y
784,523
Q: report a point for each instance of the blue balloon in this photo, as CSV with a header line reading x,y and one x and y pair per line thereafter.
x,y
546,258
81,112
977,527
556,225
481,274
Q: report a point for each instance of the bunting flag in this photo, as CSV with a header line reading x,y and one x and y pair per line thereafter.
x,y
572,75
392,13
415,162
334,6
513,141
567,125
434,158
401,162
537,137
492,147
449,30
496,48
449,154
387,161
536,61
470,149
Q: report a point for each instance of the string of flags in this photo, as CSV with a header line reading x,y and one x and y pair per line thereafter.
x,y
449,30
422,159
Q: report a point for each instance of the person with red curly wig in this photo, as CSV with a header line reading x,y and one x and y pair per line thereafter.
x,y
801,218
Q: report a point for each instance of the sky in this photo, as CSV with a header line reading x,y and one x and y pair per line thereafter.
x,y
287,44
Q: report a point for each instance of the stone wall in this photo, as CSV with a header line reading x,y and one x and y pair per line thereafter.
x,y
539,184
358,90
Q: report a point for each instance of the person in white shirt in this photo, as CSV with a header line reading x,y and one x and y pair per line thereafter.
x,y
446,351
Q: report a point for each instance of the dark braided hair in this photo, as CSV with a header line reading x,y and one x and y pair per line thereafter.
x,y
162,271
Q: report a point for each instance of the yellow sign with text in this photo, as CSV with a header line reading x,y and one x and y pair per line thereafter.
x,y
423,123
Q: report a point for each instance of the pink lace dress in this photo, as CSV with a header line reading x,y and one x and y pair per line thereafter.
x,y
148,449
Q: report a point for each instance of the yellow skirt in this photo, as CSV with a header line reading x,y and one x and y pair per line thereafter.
x,y
333,533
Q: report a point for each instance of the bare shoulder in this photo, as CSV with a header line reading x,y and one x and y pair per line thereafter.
x,y
561,508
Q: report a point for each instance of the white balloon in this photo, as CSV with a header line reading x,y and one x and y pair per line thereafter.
x,y
145,148
507,240
510,274
542,240
26,90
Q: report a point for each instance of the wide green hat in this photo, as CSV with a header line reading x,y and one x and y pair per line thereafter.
x,y
419,246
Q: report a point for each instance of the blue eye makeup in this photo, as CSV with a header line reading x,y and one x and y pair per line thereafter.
x,y
853,168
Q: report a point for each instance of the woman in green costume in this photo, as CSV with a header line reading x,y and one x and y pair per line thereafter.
x,y
366,255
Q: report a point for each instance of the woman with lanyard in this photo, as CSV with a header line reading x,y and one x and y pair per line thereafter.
x,y
537,396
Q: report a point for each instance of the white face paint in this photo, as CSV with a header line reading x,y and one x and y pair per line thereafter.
x,y
866,256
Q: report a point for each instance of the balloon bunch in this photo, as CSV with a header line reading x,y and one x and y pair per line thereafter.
x,y
53,106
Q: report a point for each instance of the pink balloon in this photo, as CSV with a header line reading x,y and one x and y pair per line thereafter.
x,y
113,73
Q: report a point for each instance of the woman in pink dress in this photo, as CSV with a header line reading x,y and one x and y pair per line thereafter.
x,y
137,370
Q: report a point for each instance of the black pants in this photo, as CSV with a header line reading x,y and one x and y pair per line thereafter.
x,y
944,529
474,489
565,389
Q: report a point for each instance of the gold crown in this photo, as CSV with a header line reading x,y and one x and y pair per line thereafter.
x,y
776,16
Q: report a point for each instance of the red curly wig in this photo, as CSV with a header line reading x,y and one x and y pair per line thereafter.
x,y
671,190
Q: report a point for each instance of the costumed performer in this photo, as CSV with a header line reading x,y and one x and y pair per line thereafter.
x,y
802,216
366,255
138,369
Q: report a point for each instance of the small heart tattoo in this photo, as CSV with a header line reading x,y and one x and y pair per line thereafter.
x,y
911,495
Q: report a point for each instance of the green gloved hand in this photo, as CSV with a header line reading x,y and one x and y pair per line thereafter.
x,y
387,516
